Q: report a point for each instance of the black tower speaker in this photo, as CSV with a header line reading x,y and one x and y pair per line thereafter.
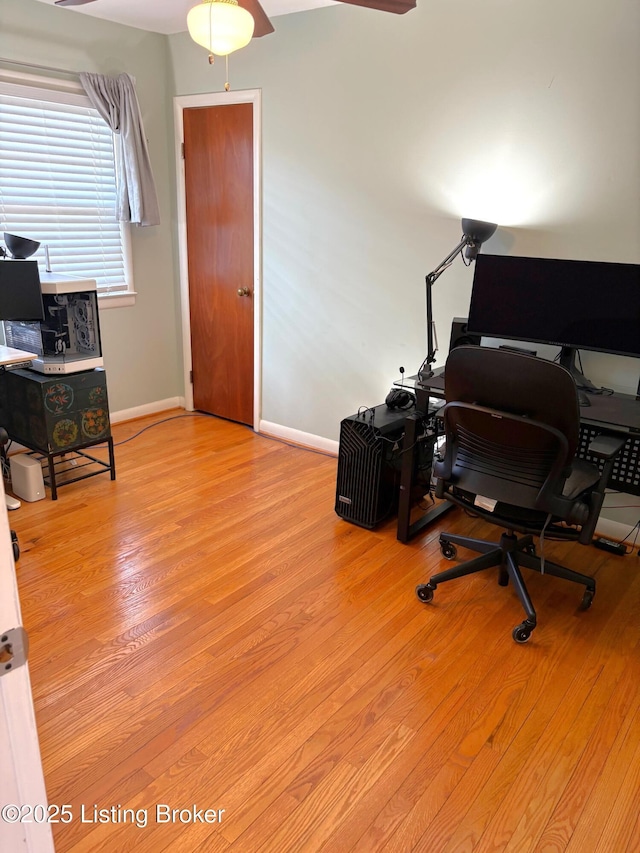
x,y
369,459
461,336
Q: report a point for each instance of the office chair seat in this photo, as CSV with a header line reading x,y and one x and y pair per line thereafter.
x,y
511,425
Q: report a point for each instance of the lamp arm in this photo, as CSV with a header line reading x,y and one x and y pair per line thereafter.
x,y
442,266
425,368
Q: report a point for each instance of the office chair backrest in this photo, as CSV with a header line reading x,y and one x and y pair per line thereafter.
x,y
517,383
512,425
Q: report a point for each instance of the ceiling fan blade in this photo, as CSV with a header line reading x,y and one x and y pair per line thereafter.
x,y
398,7
263,25
72,2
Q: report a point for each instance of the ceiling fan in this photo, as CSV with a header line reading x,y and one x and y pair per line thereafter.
x,y
263,25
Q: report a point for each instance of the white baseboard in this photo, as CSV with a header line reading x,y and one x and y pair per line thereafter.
x,y
295,436
147,409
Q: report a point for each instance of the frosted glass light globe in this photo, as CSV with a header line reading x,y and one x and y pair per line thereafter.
x,y
220,25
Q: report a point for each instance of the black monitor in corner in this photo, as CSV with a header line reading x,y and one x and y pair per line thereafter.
x,y
20,291
591,305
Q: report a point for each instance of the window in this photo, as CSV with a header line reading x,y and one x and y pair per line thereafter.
x,y
57,184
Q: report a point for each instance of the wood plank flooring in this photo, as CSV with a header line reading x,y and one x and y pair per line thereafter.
x,y
206,633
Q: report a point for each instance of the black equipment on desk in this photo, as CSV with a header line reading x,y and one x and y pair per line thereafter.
x,y
67,340
369,463
575,305
400,398
20,291
460,334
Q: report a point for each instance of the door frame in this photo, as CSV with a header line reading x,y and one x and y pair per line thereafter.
x,y
215,99
22,780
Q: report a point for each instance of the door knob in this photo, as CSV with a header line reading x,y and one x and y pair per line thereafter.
x,y
244,291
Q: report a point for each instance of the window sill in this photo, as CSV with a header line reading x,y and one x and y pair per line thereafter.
x,y
117,300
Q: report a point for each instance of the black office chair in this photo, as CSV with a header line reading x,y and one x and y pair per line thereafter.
x,y
511,426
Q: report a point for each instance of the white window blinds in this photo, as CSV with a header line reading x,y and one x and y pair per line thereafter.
x,y
57,183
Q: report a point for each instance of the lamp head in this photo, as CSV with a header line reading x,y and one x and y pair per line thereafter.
x,y
477,232
20,247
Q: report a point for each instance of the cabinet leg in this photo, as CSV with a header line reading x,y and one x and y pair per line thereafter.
x,y
112,459
52,477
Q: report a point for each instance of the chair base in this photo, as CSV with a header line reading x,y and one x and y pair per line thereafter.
x,y
509,555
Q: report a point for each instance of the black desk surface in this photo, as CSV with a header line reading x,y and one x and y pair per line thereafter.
x,y
615,411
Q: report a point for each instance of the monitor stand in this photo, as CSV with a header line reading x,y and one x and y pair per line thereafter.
x,y
568,360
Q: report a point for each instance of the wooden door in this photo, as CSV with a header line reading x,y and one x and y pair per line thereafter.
x,y
218,151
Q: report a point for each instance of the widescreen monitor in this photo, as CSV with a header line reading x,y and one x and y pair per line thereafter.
x,y
593,305
20,292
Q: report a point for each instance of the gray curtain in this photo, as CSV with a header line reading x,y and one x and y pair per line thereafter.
x,y
116,100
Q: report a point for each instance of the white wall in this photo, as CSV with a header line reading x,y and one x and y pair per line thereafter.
x,y
381,131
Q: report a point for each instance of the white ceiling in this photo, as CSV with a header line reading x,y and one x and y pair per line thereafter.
x,y
169,16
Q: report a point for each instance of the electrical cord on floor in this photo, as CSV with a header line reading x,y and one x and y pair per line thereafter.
x,y
157,423
207,415
154,424
630,549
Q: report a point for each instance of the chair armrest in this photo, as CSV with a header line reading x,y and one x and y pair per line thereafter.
x,y
606,446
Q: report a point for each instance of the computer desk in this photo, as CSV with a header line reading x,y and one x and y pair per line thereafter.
x,y
612,414
11,355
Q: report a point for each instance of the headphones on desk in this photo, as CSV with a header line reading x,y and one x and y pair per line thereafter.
x,y
400,398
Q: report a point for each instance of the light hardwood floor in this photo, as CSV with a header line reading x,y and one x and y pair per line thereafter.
x,y
206,632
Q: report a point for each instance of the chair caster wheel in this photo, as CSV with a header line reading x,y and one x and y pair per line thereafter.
x,y
587,599
448,550
424,591
522,632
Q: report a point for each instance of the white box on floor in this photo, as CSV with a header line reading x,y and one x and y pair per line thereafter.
x,y
26,477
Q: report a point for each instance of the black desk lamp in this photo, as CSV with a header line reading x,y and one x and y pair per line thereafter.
x,y
474,234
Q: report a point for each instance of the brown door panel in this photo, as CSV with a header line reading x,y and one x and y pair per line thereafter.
x,y
219,203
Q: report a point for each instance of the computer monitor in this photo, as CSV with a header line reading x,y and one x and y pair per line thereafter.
x,y
592,305
20,292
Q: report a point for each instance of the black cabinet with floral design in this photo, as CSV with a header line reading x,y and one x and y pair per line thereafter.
x,y
57,416
56,413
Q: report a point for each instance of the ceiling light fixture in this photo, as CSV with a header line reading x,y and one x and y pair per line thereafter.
x,y
221,26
